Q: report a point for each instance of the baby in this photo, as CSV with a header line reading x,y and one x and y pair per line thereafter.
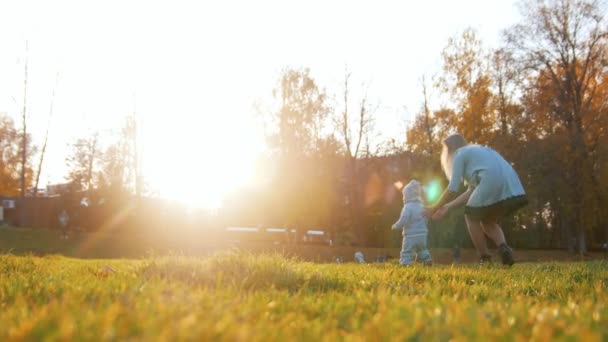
x,y
414,227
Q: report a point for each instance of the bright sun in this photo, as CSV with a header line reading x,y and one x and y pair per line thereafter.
x,y
199,163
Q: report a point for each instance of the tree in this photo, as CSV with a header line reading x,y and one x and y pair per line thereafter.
x,y
428,124
24,151
425,134
353,131
113,168
130,152
82,162
302,113
562,43
597,140
511,126
466,79
46,139
298,143
119,167
10,157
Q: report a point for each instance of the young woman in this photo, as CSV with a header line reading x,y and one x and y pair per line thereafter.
x,y
494,191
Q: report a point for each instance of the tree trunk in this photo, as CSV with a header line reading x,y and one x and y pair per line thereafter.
x,y
355,202
539,230
581,243
427,118
579,162
23,144
46,139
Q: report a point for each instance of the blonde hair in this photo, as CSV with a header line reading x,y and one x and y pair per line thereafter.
x,y
450,145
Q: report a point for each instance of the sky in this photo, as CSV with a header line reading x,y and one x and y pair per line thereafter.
x,y
193,70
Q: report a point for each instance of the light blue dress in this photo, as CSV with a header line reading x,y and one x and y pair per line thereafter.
x,y
487,172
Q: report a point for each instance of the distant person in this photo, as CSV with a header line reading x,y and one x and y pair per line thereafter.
x,y
64,221
359,257
414,226
494,191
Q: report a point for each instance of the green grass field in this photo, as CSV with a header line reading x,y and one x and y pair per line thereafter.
x,y
239,296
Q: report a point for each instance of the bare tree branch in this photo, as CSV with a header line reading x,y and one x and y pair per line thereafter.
x,y
46,138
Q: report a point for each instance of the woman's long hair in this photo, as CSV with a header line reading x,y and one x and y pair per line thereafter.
x,y
450,145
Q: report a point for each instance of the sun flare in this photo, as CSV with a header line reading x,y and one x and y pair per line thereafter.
x,y
199,164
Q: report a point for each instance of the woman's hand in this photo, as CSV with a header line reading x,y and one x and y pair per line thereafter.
x,y
428,212
441,212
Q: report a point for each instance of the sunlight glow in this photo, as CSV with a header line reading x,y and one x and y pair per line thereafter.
x,y
200,164
191,73
432,191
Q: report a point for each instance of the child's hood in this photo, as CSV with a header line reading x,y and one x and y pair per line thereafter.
x,y
411,192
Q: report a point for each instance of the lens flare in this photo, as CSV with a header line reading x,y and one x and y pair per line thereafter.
x,y
432,191
398,185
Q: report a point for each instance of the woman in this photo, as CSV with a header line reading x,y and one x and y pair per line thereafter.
x,y
493,191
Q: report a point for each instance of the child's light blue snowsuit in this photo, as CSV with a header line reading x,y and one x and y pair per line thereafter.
x,y
413,224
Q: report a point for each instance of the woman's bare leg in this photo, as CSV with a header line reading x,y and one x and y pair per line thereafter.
x,y
493,231
477,235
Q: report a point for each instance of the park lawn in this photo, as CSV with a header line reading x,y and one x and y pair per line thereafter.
x,y
105,244
241,296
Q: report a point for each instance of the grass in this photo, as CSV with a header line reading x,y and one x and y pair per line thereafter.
x,y
240,296
107,244
116,244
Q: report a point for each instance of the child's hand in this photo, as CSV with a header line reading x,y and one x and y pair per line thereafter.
x,y
440,213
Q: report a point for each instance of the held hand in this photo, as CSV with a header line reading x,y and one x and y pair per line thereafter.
x,y
440,213
428,212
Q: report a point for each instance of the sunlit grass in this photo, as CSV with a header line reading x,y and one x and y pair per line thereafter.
x,y
266,297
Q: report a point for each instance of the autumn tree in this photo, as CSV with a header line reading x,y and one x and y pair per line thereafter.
x,y
466,79
424,135
597,140
481,87
561,44
299,141
10,157
511,125
505,80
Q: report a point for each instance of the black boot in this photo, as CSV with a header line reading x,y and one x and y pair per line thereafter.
x,y
506,254
485,260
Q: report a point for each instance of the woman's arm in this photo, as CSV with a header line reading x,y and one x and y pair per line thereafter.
x,y
453,187
446,197
459,201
